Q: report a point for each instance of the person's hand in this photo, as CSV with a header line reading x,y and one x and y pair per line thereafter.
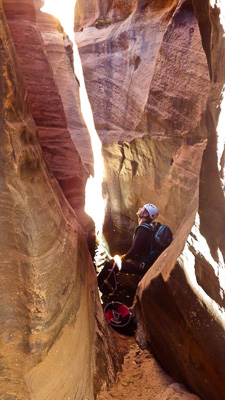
x,y
117,261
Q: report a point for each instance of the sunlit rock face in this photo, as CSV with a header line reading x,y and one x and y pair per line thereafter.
x,y
60,55
52,92
154,80
51,320
101,14
148,119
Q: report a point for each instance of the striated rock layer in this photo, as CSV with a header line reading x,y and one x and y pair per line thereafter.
x,y
148,124
52,92
51,320
154,77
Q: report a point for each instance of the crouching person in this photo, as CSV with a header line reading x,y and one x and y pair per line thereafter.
x,y
144,251
149,240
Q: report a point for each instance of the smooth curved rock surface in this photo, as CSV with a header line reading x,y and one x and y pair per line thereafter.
x,y
51,319
155,80
60,55
147,118
53,95
154,73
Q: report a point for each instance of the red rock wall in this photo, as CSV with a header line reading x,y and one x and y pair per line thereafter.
x,y
154,73
51,320
154,79
21,9
63,134
59,51
135,93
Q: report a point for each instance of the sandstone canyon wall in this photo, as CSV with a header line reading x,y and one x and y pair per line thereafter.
x,y
154,72
131,69
51,320
52,92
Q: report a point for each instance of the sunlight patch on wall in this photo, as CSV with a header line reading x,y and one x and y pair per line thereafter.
x,y
221,5
196,240
220,128
187,259
221,142
200,245
94,204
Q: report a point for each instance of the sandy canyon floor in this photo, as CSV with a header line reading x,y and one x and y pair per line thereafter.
x,y
143,378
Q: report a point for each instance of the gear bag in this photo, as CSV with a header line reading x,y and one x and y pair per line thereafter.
x,y
120,318
163,236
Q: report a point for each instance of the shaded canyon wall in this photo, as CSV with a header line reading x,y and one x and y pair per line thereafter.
x,y
154,72
52,324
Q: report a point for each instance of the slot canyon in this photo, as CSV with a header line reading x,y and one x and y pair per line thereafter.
x,y
154,73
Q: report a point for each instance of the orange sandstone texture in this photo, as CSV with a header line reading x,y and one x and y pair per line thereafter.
x,y
52,93
147,117
59,49
143,378
51,319
154,79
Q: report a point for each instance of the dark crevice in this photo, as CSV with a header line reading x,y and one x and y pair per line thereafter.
x,y
222,165
211,197
202,13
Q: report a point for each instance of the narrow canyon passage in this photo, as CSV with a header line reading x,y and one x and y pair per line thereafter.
x,y
154,74
143,378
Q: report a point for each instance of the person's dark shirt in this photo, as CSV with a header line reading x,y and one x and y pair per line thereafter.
x,y
141,244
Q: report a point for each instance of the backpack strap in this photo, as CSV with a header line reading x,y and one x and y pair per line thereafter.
x,y
153,228
144,225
